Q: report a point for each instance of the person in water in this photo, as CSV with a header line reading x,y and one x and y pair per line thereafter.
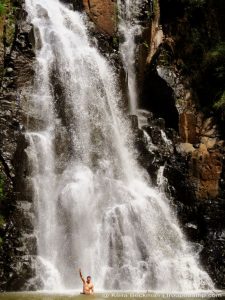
x,y
88,287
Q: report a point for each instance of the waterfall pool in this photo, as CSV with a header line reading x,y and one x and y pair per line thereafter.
x,y
111,295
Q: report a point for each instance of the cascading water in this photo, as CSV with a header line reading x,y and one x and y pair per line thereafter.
x,y
129,12
95,207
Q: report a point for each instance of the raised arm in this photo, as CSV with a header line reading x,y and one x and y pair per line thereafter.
x,y
81,277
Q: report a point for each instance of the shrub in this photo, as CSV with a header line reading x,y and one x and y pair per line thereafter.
x,y
220,104
2,9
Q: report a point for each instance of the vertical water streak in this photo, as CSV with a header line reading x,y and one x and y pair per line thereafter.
x,y
129,12
95,206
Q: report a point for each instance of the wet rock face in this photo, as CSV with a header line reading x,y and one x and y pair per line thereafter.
x,y
195,184
177,103
202,220
196,190
76,4
213,229
154,144
205,159
187,127
205,172
103,14
158,97
19,243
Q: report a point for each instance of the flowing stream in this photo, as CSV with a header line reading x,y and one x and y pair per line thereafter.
x,y
96,208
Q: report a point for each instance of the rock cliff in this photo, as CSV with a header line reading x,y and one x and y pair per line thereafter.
x,y
16,77
179,87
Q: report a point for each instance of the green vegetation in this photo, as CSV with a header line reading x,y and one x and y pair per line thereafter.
x,y
217,52
2,9
215,63
199,50
115,42
156,6
5,6
198,31
7,28
146,44
7,20
220,104
214,68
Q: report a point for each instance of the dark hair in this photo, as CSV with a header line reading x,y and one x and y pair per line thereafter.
x,y
88,276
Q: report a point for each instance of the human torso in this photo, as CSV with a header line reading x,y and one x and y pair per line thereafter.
x,y
87,287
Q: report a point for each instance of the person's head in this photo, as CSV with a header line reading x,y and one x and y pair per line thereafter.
x,y
88,279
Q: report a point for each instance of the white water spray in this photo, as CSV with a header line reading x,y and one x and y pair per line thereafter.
x,y
95,207
129,28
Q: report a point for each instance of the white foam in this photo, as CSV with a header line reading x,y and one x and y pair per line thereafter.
x,y
96,208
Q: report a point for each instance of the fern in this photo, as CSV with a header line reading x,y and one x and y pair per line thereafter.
x,y
220,104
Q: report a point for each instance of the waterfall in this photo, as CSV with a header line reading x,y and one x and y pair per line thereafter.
x,y
129,12
95,207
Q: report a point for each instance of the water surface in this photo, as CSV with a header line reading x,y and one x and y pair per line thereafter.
x,y
111,296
